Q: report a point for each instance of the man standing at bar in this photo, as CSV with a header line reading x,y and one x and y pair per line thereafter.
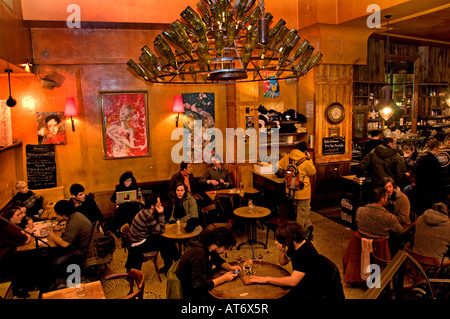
x,y
301,197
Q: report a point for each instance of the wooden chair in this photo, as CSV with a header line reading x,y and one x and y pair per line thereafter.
x,y
136,280
151,255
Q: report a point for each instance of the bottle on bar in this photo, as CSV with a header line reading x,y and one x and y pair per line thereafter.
x,y
138,69
206,16
312,63
203,53
278,41
300,50
164,49
232,31
253,17
219,41
240,11
193,18
304,59
271,37
152,57
215,12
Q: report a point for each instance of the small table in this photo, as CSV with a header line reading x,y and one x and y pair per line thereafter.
x,y
38,242
236,289
258,212
171,233
92,290
248,190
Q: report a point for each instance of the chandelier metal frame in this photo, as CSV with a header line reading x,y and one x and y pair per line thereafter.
x,y
225,43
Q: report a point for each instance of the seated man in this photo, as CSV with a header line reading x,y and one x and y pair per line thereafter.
x,y
216,177
398,203
85,205
75,240
432,236
146,230
313,277
194,270
374,221
184,176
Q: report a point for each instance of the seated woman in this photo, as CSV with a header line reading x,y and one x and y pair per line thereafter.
x,y
27,222
433,232
126,211
314,276
12,237
32,201
398,203
184,205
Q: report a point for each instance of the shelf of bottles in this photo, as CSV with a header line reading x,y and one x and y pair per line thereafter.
x,y
221,42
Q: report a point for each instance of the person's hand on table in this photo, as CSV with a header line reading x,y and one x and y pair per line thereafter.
x,y
229,276
213,182
51,235
255,280
235,268
30,226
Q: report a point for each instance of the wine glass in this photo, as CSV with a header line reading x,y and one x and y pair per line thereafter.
x,y
251,206
260,257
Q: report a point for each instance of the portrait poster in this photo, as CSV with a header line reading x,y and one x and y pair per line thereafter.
x,y
271,86
125,124
199,113
51,128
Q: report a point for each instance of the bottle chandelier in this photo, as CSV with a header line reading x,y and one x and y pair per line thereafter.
x,y
225,43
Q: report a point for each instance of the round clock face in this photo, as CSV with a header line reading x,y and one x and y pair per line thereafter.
x,y
335,113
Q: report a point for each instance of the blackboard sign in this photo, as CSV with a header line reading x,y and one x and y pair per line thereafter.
x,y
41,166
333,145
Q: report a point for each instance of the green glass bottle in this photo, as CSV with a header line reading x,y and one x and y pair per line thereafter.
x,y
219,41
279,37
138,69
240,11
251,19
153,58
300,50
201,35
271,37
193,18
193,73
304,59
148,65
215,12
203,53
291,41
174,37
311,63
247,54
164,49
186,29
206,16
231,34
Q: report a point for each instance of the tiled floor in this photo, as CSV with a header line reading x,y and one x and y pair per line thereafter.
x,y
330,239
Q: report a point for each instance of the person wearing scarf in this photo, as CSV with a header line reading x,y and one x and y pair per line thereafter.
x,y
398,203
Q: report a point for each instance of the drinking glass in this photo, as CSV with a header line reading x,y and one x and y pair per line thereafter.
x,y
251,206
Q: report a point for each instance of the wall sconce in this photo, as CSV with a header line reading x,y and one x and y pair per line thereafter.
x,y
178,107
71,110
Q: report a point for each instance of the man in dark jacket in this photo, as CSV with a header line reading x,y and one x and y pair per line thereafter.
x,y
84,204
374,141
194,269
384,161
429,187
186,177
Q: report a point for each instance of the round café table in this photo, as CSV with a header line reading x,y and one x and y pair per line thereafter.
x,y
258,212
171,233
236,289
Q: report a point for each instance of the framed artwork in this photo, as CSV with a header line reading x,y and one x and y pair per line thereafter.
x,y
51,128
199,111
125,124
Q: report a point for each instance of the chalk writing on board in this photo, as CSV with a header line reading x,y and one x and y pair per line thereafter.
x,y
41,166
333,145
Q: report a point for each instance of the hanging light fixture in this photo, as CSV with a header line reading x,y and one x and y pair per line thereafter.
x,y
10,101
387,104
225,43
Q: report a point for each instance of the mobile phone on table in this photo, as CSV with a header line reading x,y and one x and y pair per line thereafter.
x,y
236,271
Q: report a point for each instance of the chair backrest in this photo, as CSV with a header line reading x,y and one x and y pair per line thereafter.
x,y
205,211
136,279
126,234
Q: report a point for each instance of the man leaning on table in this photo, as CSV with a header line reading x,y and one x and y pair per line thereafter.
x,y
75,241
313,277
216,177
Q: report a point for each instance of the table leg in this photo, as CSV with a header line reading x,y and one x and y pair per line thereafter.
x,y
251,239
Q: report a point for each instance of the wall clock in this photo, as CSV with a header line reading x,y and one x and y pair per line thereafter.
x,y
335,113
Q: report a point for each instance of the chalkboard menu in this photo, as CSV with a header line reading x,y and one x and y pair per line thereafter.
x,y
41,166
333,145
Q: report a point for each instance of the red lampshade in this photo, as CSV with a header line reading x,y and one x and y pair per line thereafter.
x,y
71,108
178,106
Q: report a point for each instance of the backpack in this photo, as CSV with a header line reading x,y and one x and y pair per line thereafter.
x,y
292,178
102,246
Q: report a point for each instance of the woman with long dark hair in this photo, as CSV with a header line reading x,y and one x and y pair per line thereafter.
x,y
184,205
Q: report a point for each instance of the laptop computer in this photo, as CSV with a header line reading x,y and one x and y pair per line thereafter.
x,y
126,196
